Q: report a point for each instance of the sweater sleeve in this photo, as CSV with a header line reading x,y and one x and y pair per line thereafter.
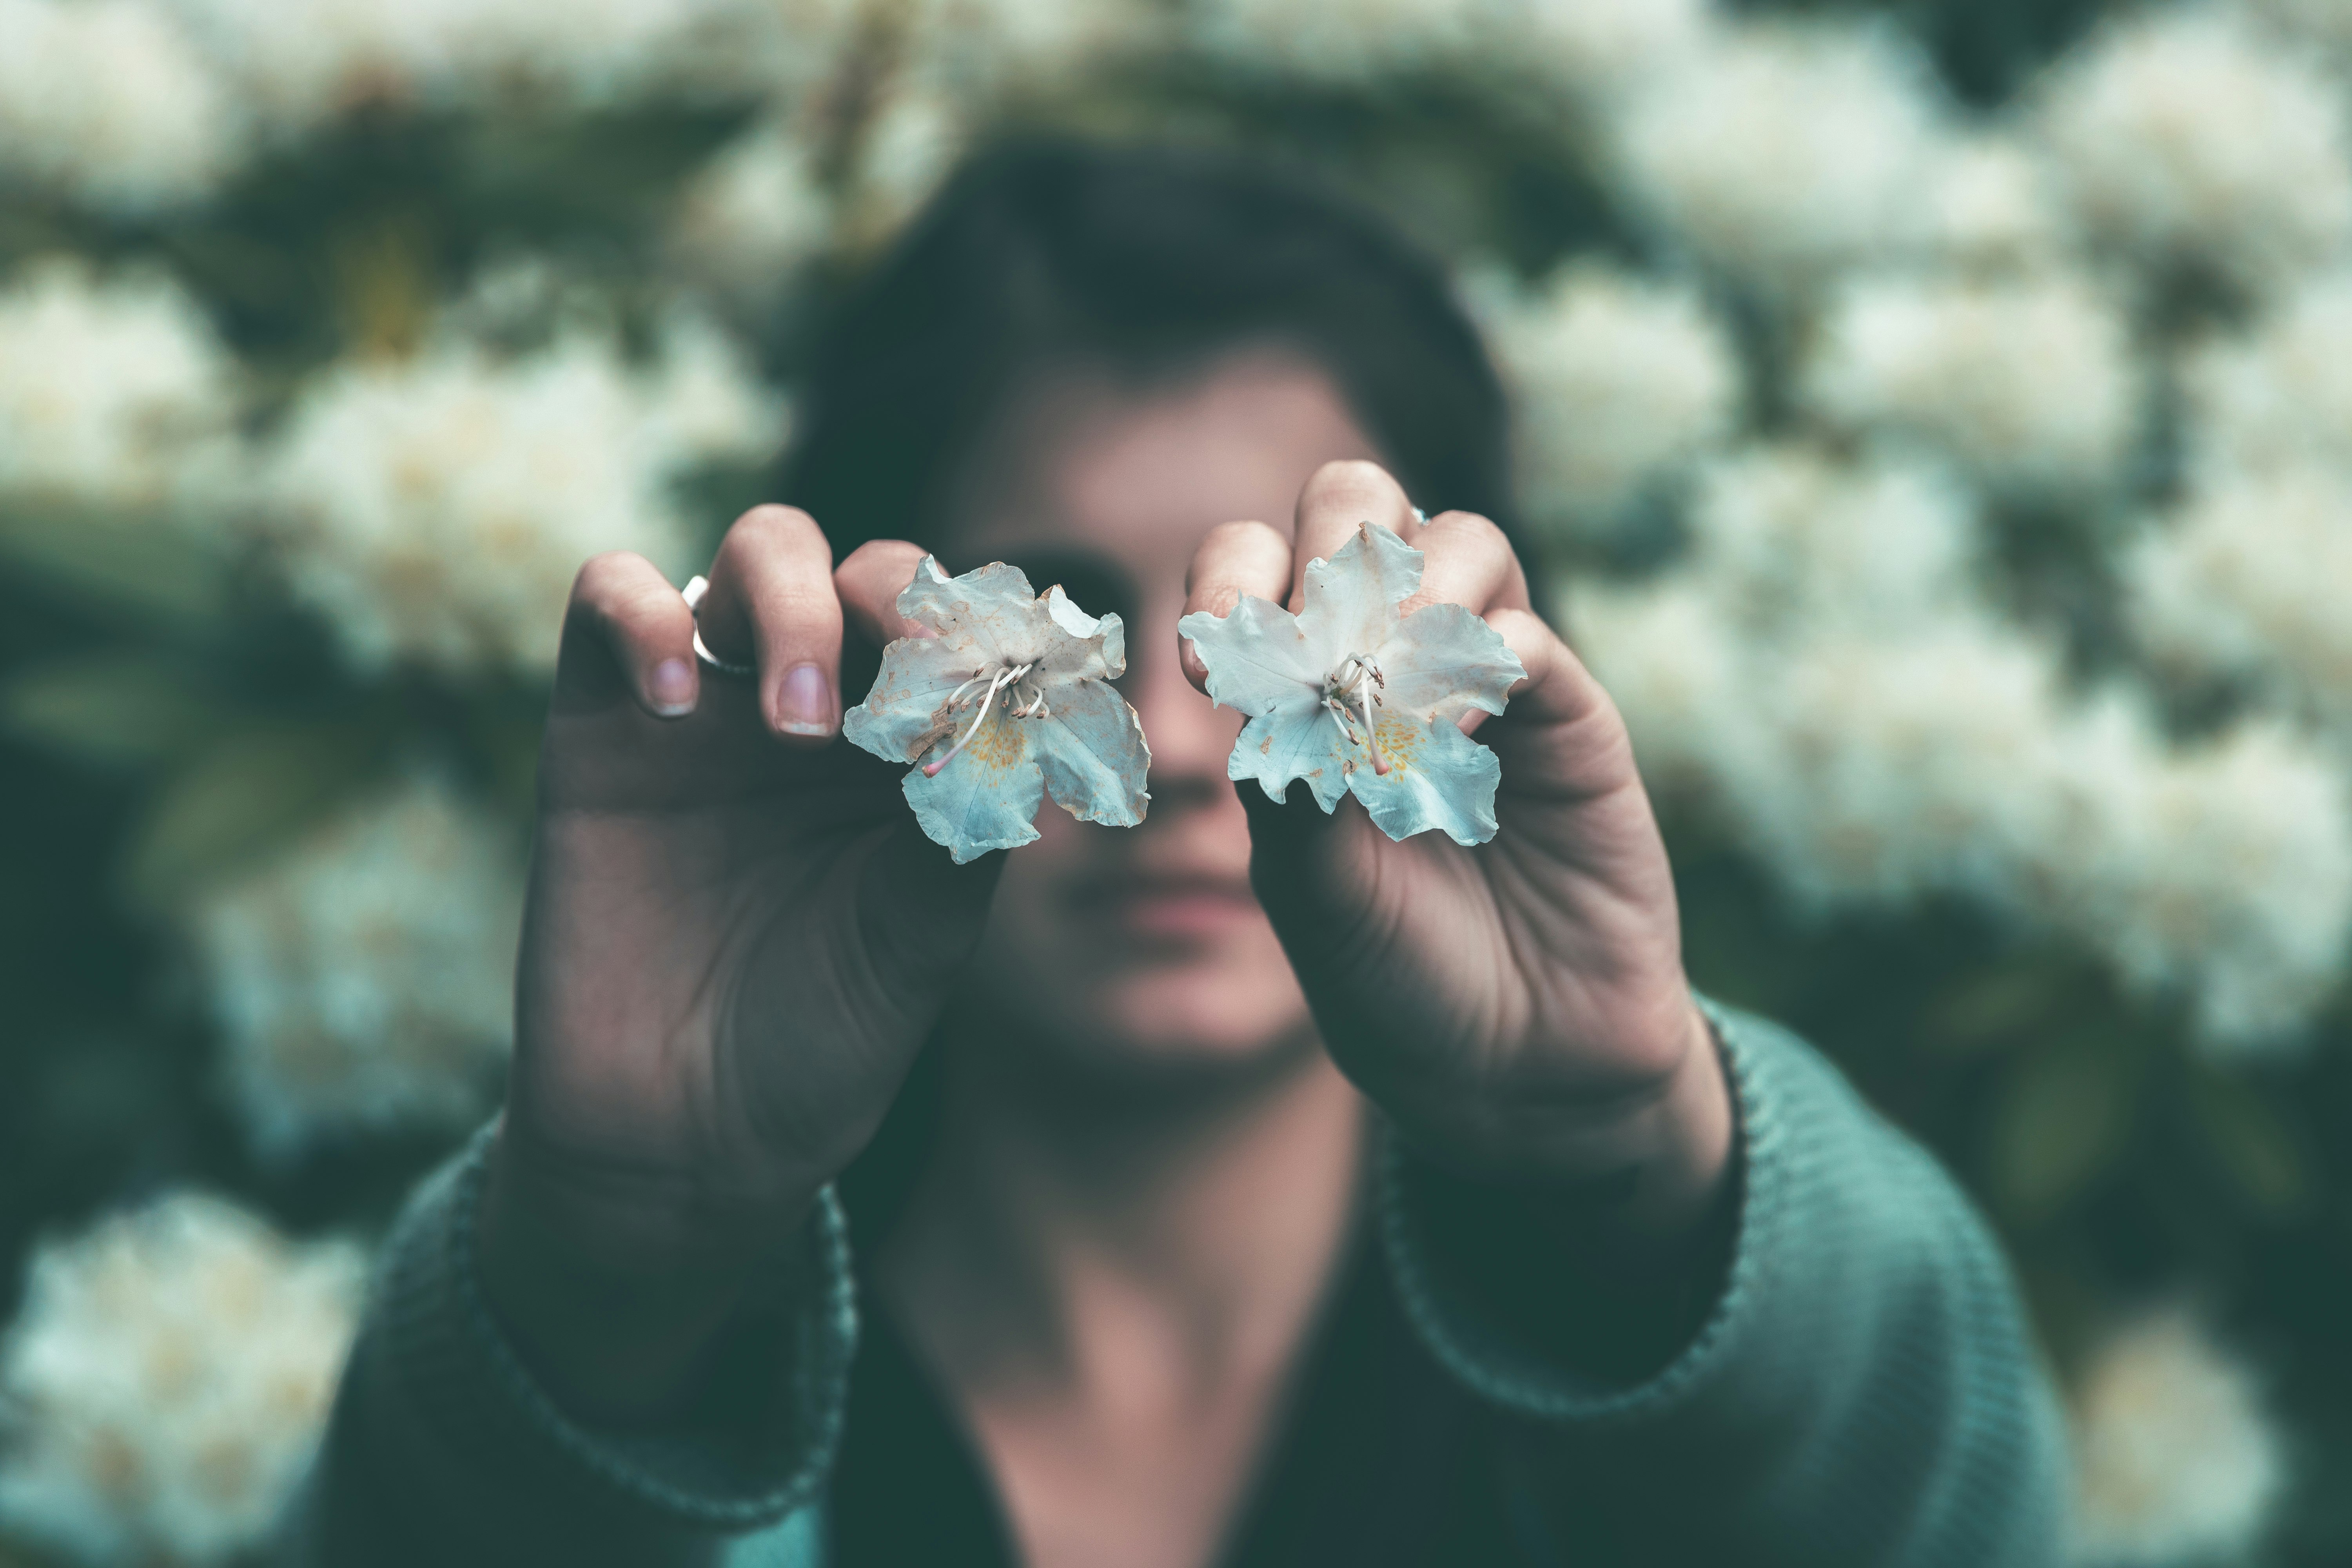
x,y
443,1448
1860,1386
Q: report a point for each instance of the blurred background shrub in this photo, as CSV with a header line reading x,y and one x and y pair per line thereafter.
x,y
1938,417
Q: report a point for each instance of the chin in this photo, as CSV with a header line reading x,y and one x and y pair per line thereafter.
x,y
1084,1000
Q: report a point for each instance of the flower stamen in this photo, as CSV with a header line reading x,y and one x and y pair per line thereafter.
x,y
1035,708
1348,691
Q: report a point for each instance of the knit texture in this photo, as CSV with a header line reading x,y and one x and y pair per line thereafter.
x,y
1861,1390
1866,1359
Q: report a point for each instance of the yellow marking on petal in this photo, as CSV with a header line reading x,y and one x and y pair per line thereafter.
x,y
1400,739
1000,742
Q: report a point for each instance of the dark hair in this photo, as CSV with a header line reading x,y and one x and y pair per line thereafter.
x,y
1150,259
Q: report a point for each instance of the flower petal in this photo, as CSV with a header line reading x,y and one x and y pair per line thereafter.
x,y
1092,753
1437,777
993,606
1350,600
906,712
1257,658
986,796
1441,661
1077,646
1296,743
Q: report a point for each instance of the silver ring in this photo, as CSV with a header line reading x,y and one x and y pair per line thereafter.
x,y
693,592
1418,515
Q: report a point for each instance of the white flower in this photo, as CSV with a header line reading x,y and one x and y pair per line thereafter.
x,y
906,153
165,1383
1994,208
475,54
2224,875
1010,702
113,394
2324,22
435,510
756,215
1595,49
1781,149
1797,543
108,103
2028,383
2176,1460
1351,45
2181,137
2249,581
1679,668
1352,695
2281,395
364,976
1905,765
1616,382
978,49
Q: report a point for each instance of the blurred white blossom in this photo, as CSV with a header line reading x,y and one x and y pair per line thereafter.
x,y
2228,882
906,153
435,510
1356,44
1782,149
1796,544
1994,208
2249,581
1900,765
2028,385
1825,668
1616,381
752,220
1680,669
2326,23
108,103
2176,1457
295,73
114,393
363,976
2181,136
1594,50
975,49
165,1384
2281,395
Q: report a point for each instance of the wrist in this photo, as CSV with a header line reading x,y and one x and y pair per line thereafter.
x,y
1643,1161
616,1301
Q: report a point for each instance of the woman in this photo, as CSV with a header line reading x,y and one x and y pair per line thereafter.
x,y
1268,1191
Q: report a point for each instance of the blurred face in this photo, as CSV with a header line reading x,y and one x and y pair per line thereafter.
x,y
1142,949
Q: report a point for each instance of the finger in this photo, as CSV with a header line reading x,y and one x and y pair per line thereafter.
x,y
627,626
1561,708
869,583
771,589
1236,558
1339,496
1467,560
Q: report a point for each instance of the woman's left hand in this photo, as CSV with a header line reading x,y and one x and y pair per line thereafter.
x,y
1518,1009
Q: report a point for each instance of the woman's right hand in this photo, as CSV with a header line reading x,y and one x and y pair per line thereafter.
x,y
735,942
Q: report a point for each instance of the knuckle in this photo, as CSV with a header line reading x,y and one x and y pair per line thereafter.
x,y
605,580
773,528
1342,475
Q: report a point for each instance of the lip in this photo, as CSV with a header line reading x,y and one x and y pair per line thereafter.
x,y
1170,906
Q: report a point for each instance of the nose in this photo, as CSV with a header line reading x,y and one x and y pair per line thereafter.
x,y
1189,737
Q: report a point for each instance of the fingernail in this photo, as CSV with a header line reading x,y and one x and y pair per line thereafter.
x,y
805,705
673,687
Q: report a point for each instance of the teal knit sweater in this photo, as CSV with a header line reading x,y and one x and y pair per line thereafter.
x,y
1861,1388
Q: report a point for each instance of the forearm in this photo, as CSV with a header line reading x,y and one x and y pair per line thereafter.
x,y
1854,1385
447,1447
